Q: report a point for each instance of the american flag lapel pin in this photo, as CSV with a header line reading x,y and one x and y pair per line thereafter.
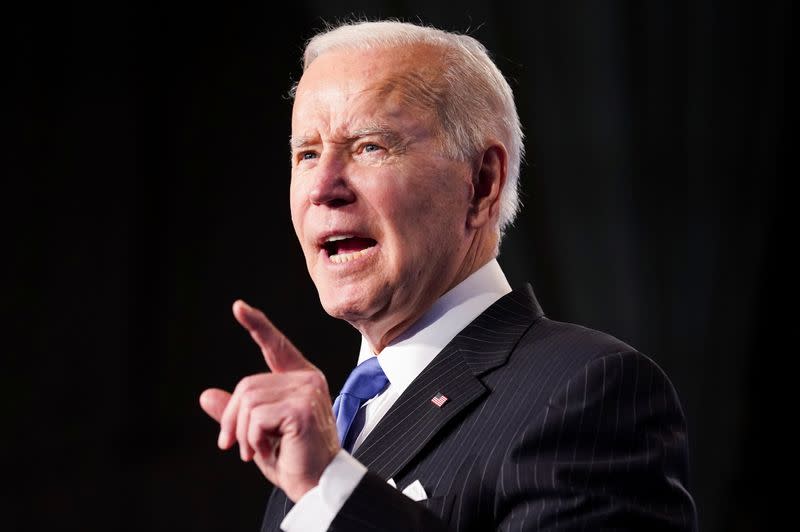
x,y
439,399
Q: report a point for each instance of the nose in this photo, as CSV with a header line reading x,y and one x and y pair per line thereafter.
x,y
331,185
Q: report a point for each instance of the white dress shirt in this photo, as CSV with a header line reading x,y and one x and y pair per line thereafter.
x,y
402,361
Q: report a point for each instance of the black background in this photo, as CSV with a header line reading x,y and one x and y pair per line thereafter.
x,y
147,188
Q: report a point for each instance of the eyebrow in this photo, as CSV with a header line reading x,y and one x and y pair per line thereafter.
x,y
391,135
299,142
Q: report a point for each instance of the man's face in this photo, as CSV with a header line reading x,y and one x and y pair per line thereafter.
x,y
378,208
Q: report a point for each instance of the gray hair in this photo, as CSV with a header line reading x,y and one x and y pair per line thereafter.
x,y
475,102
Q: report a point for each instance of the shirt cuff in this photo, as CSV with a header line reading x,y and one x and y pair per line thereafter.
x,y
316,509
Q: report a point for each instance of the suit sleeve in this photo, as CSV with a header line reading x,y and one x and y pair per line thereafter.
x,y
609,452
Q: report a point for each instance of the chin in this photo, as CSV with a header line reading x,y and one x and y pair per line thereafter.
x,y
340,304
352,304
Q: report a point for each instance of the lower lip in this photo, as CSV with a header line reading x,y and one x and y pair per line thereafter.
x,y
359,258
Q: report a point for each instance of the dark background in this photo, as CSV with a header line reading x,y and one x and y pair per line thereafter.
x,y
148,188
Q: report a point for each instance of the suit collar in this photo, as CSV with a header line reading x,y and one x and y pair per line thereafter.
x,y
407,355
487,342
482,346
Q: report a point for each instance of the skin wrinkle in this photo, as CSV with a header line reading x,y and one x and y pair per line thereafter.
x,y
396,140
418,89
423,89
388,137
394,194
476,107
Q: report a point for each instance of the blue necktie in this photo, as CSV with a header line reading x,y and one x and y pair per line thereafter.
x,y
365,382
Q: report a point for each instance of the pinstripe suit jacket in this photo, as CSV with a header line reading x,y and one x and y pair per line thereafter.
x,y
549,426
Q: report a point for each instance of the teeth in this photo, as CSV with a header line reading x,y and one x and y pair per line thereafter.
x,y
337,238
347,257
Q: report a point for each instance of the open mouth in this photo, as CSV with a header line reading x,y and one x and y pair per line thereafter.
x,y
345,248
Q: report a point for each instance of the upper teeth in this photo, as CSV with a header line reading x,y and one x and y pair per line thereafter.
x,y
338,237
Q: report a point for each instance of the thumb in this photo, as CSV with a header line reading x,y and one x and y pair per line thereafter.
x,y
213,401
281,355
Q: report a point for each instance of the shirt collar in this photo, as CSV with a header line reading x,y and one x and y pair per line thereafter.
x,y
408,354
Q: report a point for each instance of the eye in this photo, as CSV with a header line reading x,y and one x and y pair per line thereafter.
x,y
370,148
308,155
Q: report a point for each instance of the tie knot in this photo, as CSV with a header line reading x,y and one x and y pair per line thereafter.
x,y
366,380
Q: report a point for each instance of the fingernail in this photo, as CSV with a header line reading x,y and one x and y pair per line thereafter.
x,y
222,440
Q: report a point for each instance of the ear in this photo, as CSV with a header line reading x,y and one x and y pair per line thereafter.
x,y
491,172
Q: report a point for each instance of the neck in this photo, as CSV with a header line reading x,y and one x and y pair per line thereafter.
x,y
382,330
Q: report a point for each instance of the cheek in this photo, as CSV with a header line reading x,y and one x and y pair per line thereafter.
x,y
420,228
439,224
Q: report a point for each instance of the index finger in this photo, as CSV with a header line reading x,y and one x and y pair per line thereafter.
x,y
280,354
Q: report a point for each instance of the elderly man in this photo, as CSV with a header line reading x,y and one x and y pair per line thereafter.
x,y
468,409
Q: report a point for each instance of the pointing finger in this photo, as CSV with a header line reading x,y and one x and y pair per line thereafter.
x,y
280,354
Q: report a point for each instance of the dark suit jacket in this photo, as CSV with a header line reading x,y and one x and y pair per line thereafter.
x,y
548,426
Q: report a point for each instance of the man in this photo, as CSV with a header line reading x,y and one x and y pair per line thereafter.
x,y
480,413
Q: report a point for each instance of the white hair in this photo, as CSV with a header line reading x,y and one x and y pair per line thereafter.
x,y
474,101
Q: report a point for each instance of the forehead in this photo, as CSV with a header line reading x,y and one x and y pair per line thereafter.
x,y
344,88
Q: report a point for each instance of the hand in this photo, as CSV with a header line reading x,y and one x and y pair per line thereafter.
x,y
282,420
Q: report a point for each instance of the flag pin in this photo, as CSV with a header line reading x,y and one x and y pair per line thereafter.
x,y
439,399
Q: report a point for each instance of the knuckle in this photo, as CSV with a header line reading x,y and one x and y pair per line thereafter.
x,y
305,393
304,405
253,382
245,384
316,379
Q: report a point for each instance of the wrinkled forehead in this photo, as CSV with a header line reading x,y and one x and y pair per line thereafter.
x,y
418,87
384,80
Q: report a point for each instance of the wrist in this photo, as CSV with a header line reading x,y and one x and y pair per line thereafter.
x,y
310,481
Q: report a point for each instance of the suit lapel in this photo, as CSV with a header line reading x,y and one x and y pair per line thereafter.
x,y
414,419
